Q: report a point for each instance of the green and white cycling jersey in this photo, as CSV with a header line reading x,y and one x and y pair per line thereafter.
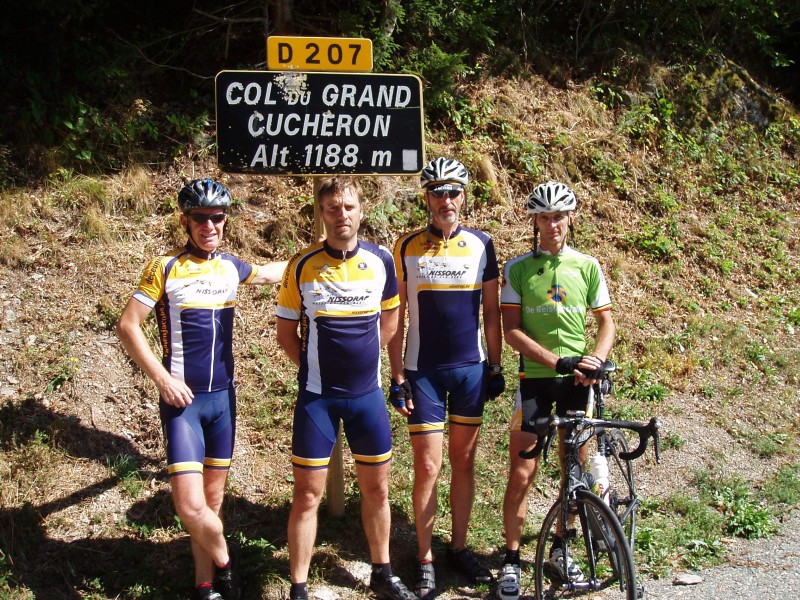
x,y
554,293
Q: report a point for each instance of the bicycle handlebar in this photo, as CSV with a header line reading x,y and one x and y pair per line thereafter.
x,y
546,426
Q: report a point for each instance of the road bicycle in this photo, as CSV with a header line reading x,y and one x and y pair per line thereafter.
x,y
592,535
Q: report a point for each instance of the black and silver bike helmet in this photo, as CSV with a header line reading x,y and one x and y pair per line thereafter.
x,y
204,193
444,170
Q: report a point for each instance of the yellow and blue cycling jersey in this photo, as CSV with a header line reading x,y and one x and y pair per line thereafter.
x,y
194,297
444,284
338,298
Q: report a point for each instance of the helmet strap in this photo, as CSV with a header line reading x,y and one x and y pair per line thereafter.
x,y
535,241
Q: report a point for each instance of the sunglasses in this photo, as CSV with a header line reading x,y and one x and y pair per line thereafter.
x,y
443,193
201,218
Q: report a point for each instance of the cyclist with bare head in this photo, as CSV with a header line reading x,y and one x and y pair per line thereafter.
x,y
337,308
193,292
448,279
545,298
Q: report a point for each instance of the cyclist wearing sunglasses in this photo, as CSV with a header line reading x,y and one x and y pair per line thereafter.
x,y
447,276
193,293
546,295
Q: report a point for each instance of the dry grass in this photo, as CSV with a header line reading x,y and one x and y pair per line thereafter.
x,y
72,401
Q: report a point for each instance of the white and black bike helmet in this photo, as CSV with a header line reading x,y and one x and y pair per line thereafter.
x,y
551,197
444,170
204,193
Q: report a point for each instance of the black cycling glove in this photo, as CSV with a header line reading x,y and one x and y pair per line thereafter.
x,y
567,364
595,373
497,385
399,393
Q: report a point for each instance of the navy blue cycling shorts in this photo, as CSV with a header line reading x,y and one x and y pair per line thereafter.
x,y
316,425
201,435
459,392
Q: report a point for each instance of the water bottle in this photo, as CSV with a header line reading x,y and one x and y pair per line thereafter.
x,y
598,467
591,483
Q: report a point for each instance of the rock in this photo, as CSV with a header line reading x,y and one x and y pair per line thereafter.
x,y
687,579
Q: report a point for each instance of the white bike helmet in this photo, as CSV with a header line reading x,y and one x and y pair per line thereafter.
x,y
204,193
551,197
444,170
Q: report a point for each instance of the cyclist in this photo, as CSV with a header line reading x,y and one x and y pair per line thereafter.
x,y
193,292
336,309
446,274
544,300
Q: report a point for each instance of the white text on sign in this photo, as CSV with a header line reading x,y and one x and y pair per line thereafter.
x,y
319,123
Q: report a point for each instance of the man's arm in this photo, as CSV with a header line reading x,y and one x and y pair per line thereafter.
x,y
388,325
289,339
129,330
491,322
395,345
604,340
270,273
520,341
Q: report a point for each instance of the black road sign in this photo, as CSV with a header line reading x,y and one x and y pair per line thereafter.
x,y
292,123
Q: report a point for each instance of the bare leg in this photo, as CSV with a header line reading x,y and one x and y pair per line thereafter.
x,y
198,501
521,476
427,465
373,481
463,442
308,489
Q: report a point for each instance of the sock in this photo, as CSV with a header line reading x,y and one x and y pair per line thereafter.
x,y
512,557
203,586
424,561
384,570
298,591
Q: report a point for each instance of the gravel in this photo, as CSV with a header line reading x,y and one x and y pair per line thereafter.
x,y
765,569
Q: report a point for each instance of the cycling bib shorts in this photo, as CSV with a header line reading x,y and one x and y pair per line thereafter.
x,y
201,435
536,397
316,425
459,392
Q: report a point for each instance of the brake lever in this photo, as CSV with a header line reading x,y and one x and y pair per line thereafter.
x,y
544,432
657,443
651,430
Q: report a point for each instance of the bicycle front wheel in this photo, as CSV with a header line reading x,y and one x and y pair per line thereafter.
x,y
594,560
622,499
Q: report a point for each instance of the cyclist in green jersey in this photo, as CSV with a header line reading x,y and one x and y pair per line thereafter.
x,y
544,302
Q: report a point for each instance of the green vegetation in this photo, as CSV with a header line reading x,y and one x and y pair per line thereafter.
x,y
662,116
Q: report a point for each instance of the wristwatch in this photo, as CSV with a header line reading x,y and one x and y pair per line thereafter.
x,y
495,369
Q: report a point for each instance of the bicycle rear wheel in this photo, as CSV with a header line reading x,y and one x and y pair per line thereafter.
x,y
622,498
597,546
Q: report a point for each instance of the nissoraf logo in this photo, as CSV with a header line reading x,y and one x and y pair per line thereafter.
x,y
447,274
341,300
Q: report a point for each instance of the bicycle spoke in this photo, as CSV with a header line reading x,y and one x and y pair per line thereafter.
x,y
623,499
597,548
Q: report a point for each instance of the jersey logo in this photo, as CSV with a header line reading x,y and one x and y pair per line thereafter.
x,y
462,244
557,294
362,266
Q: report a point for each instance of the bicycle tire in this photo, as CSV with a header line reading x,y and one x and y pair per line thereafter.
x,y
622,497
613,575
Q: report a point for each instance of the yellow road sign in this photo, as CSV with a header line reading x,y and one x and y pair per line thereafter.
x,y
293,53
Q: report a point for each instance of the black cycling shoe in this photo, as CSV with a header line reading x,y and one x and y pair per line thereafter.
x,y
425,586
390,588
206,593
228,581
465,563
